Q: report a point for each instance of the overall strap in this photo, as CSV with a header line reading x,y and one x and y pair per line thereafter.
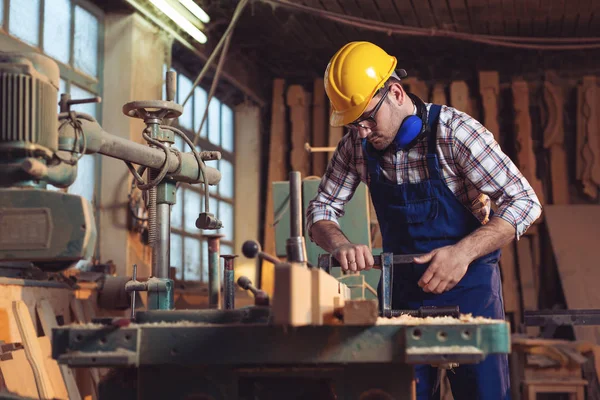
x,y
432,124
373,167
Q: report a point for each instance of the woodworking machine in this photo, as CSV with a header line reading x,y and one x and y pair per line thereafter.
x,y
290,346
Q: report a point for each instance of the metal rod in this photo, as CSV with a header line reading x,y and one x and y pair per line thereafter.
x,y
214,244
160,251
295,204
133,292
228,283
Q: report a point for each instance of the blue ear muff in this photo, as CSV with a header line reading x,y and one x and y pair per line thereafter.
x,y
409,130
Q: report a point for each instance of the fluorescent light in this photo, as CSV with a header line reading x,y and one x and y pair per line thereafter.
x,y
196,10
180,20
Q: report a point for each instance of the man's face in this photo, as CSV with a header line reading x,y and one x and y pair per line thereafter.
x,y
379,121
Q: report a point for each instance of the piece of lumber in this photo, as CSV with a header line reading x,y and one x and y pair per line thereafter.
x,y
48,320
292,296
33,350
588,136
574,231
527,278
360,312
459,96
18,375
510,284
54,372
277,171
525,154
298,102
319,123
418,88
554,139
438,96
489,89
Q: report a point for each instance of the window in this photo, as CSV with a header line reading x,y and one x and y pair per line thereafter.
x,y
189,249
69,31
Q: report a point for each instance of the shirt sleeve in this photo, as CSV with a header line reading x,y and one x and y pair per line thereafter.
x,y
480,160
337,186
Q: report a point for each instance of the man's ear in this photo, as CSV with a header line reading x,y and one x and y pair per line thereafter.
x,y
397,93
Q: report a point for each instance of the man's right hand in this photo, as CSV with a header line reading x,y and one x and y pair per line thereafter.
x,y
354,257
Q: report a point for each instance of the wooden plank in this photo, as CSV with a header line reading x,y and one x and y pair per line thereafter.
x,y
299,103
18,375
360,312
459,96
292,298
574,231
526,155
510,284
80,316
54,372
418,88
554,139
326,296
460,15
48,321
489,88
276,172
527,278
32,349
439,94
424,14
319,121
588,136
408,13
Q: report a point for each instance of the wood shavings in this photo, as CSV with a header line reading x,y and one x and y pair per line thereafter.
x,y
410,320
443,350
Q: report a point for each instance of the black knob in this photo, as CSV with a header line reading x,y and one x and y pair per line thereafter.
x,y
244,282
250,249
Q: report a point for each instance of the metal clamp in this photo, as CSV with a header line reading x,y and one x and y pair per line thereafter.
x,y
387,282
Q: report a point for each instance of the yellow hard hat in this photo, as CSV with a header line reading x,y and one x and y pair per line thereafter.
x,y
353,76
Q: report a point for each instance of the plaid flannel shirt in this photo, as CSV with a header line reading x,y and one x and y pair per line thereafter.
x,y
472,165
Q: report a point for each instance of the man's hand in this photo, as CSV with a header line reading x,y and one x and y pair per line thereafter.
x,y
354,257
448,266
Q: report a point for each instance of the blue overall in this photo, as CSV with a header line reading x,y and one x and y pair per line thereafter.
x,y
418,218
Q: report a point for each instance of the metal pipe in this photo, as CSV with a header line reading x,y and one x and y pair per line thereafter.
x,y
161,252
295,204
214,245
100,141
228,283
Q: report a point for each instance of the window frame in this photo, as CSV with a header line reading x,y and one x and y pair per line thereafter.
x,y
68,73
204,144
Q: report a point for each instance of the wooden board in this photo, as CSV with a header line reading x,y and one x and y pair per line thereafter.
x,y
527,278
54,371
418,88
510,284
298,102
18,375
319,122
292,298
554,139
326,296
276,172
526,154
459,97
439,94
489,89
48,320
588,136
33,350
574,231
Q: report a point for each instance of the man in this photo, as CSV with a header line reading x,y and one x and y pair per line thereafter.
x,y
431,171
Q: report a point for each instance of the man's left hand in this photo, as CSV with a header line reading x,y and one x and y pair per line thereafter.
x,y
448,266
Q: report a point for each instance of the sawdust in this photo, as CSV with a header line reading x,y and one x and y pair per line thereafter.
x,y
410,320
443,350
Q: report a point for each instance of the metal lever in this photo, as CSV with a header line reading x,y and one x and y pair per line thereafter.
x,y
251,249
260,297
66,102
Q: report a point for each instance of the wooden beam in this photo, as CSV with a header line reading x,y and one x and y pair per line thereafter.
x,y
439,94
489,88
276,172
418,88
319,121
298,101
526,155
527,277
335,135
554,138
588,136
510,284
459,97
